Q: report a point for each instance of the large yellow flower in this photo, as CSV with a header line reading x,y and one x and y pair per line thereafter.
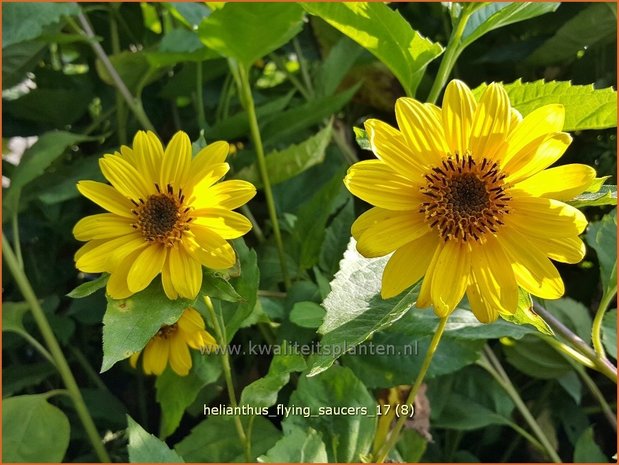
x,y
463,197
166,215
171,344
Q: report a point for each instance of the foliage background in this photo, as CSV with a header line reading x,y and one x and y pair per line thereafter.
x,y
309,93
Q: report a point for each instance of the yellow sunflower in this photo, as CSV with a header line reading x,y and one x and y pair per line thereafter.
x,y
463,196
166,215
171,344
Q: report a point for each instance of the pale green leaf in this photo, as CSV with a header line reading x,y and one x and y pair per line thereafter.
x,y
361,137
89,287
386,34
307,314
605,195
525,315
145,448
297,446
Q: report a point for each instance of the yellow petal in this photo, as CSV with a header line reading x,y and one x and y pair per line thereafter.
x,y
200,181
377,184
117,286
450,277
146,266
534,272
148,155
490,123
131,244
225,223
515,120
102,226
186,272
106,197
391,233
156,356
389,145
565,249
191,321
541,122
227,194
176,161
424,299
544,217
133,360
407,265
562,182
180,358
211,249
204,162
458,110
422,129
166,280
94,257
536,156
124,177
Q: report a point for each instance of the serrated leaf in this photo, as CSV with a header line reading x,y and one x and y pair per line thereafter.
x,y
90,287
238,30
33,430
386,34
145,448
354,307
26,21
129,324
494,15
609,332
585,106
605,195
602,237
285,164
525,315
591,25
307,314
263,392
297,446
361,137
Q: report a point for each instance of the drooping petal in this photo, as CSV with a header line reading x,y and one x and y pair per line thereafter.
x,y
107,197
186,272
537,156
226,194
422,129
190,321
211,249
490,123
377,184
133,360
102,226
408,264
226,223
146,266
450,277
156,356
180,359
176,161
544,217
124,177
562,182
458,111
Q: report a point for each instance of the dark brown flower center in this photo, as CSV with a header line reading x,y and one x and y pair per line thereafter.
x,y
162,217
466,199
167,330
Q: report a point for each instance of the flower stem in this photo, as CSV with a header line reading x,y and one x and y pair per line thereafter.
x,y
596,329
54,348
240,73
200,97
494,367
384,450
452,52
225,362
602,364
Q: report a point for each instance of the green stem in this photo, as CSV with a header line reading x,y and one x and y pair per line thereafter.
x,y
452,52
92,374
255,227
383,451
200,97
54,348
16,240
303,67
494,367
36,344
597,394
134,104
602,364
57,392
242,79
225,362
596,329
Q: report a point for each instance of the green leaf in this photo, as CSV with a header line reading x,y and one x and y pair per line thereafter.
x,y
145,448
41,105
386,34
90,287
18,377
249,31
587,451
25,21
573,314
263,392
215,285
134,69
354,307
128,324
336,239
499,14
19,59
602,236
572,385
609,332
525,315
594,24
297,446
175,393
536,358
585,106
307,314
347,435
287,163
33,430
179,45
361,137
12,316
336,65
190,14
606,195
215,440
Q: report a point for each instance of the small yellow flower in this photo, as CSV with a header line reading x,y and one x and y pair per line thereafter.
x,y
166,215
463,197
171,343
